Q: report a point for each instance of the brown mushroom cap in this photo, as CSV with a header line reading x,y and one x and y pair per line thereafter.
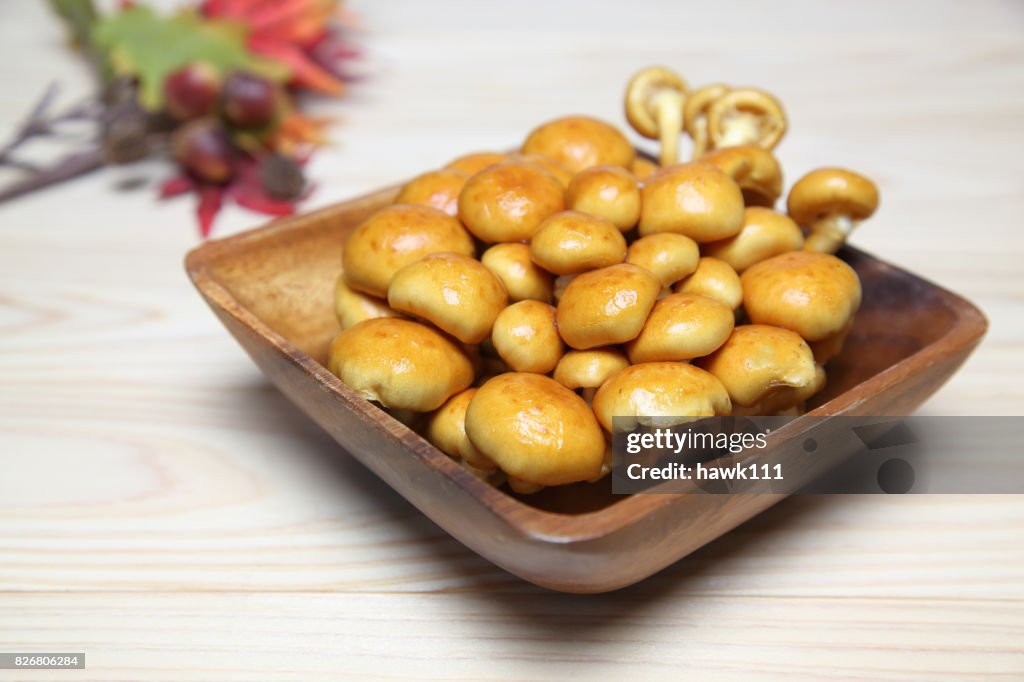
x,y
715,279
352,307
556,168
456,293
682,327
580,142
832,191
524,280
813,294
659,394
446,429
667,255
765,233
399,363
607,306
755,169
526,338
609,192
508,201
570,242
471,164
695,199
589,368
761,364
536,430
395,236
746,116
438,189
695,114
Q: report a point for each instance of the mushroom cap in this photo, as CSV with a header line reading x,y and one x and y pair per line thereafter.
x,y
352,307
715,279
524,279
570,242
682,327
589,368
446,429
471,164
455,292
695,199
395,236
399,363
508,201
606,306
580,142
663,392
556,168
827,192
609,192
765,233
695,111
755,169
526,338
760,361
643,89
746,116
438,189
666,255
814,294
536,430
643,168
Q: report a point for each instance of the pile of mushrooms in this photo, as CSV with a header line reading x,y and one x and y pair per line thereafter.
x,y
509,305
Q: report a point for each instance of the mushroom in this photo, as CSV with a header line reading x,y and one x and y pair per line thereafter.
x,y
580,142
715,279
556,168
813,294
352,307
446,429
401,364
695,199
642,168
536,430
831,202
438,189
682,327
570,242
508,201
395,236
695,114
755,170
765,233
524,280
609,192
667,255
454,292
655,98
765,369
659,394
588,369
606,306
471,164
525,337
746,116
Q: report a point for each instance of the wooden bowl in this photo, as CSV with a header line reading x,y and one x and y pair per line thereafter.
x,y
273,289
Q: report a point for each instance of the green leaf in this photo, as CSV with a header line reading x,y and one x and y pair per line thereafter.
x,y
148,46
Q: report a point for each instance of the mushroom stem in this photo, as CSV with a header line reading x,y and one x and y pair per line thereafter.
x,y
668,108
829,233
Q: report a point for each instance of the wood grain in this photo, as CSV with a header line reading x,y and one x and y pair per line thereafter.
x,y
158,497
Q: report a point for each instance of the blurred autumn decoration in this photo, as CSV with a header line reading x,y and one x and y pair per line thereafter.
x,y
215,87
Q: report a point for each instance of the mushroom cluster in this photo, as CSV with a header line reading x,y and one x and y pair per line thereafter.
x,y
509,305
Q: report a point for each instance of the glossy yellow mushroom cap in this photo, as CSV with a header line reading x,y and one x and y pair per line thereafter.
x,y
438,189
454,292
471,164
828,192
526,338
609,192
395,236
755,169
668,256
607,306
507,202
765,233
446,429
580,142
660,394
682,327
401,364
524,279
570,242
536,430
694,199
352,307
814,294
715,279
589,368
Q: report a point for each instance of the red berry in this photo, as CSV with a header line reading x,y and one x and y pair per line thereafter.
x,y
192,90
204,149
249,100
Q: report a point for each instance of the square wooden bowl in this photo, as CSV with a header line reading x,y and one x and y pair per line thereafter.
x,y
273,289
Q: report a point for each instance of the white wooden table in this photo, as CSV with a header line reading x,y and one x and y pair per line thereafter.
x,y
166,511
